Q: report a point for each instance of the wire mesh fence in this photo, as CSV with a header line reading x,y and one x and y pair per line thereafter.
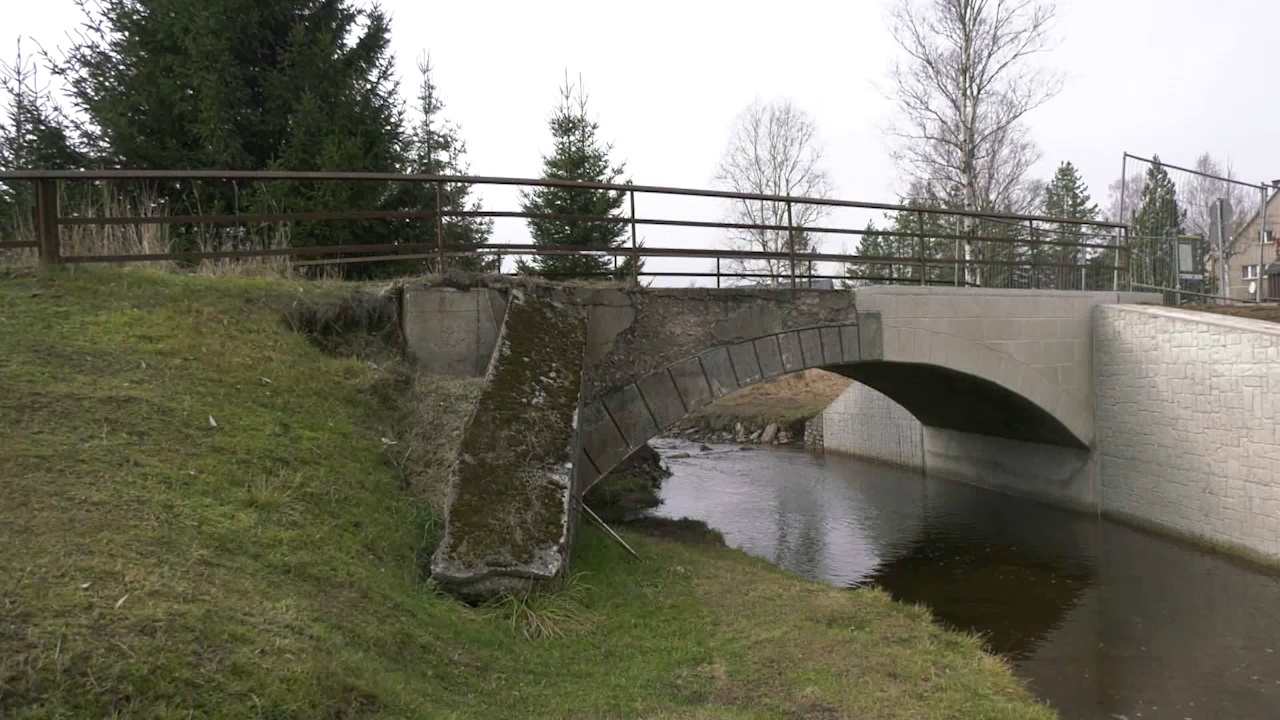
x,y
1199,234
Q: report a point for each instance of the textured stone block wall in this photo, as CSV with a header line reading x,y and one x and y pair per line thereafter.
x,y
866,423
1188,423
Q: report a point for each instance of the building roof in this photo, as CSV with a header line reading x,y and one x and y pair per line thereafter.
x,y
1274,194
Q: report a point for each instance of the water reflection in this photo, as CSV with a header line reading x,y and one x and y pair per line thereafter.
x,y
1103,621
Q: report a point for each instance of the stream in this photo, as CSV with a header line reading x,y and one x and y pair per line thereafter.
x,y
1101,620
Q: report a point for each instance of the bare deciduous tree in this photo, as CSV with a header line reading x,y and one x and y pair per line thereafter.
x,y
1197,192
963,89
774,150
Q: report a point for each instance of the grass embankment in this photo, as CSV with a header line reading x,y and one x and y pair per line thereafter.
x,y
154,565
787,400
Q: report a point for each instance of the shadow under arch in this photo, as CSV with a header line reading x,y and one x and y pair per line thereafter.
x,y
623,418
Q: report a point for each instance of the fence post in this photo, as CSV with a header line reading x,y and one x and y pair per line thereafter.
x,y
635,255
1262,245
717,271
920,245
1176,264
440,225
791,243
47,222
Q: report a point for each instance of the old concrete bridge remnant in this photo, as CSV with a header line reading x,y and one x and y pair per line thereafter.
x,y
1009,364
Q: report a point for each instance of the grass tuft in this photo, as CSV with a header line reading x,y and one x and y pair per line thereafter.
x,y
543,615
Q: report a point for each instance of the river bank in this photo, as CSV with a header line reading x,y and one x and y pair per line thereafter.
x,y
774,412
205,515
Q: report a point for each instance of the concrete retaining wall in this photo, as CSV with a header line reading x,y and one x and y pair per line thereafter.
x,y
1050,473
451,331
865,423
1188,413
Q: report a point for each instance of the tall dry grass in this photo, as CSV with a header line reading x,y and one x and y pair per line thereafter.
x,y
110,201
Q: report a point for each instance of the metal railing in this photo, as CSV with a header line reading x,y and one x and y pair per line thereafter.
x,y
1025,246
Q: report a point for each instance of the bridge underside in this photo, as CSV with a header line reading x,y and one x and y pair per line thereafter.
x,y
945,398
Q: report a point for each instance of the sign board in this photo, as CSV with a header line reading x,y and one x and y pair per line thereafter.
x,y
1186,257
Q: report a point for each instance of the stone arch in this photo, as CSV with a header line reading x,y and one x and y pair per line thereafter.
x,y
943,379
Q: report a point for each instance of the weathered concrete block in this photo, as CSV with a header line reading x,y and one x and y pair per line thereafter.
x,y
849,343
660,394
792,355
451,331
745,367
631,414
691,382
811,348
770,356
832,353
508,521
720,374
600,437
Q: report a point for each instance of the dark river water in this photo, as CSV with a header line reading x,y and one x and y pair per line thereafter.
x,y
1103,621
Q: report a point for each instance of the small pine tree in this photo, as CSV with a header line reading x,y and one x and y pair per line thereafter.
x,y
1156,227
1066,197
435,146
577,154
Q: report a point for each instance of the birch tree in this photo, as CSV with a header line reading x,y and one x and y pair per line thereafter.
x,y
774,150
964,86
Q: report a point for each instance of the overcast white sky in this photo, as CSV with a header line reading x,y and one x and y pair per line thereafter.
x,y
1174,77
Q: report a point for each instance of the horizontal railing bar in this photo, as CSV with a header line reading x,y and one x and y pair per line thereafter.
x,y
404,250
283,175
18,244
255,218
250,218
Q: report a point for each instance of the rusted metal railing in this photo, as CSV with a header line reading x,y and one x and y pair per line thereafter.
x,y
49,222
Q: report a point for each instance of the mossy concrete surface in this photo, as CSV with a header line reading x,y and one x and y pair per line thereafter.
x,y
508,520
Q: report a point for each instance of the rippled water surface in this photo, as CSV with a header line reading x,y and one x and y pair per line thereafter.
x,y
1102,620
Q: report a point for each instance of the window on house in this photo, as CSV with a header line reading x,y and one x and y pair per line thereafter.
x,y
1249,272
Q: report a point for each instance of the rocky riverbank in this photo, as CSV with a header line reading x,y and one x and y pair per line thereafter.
x,y
743,433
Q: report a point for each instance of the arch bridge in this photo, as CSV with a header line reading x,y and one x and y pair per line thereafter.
x,y
1008,364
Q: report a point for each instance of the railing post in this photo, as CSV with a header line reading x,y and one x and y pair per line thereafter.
x,y
635,255
1115,262
920,224
956,254
717,271
791,243
47,222
440,225
1035,254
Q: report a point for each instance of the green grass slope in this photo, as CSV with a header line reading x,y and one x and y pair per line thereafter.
x,y
267,563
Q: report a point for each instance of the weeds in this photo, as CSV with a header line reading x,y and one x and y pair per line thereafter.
x,y
542,615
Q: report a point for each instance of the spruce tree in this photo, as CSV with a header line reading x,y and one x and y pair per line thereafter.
x,y
577,154
434,146
1066,197
34,134
901,238
1156,227
244,85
